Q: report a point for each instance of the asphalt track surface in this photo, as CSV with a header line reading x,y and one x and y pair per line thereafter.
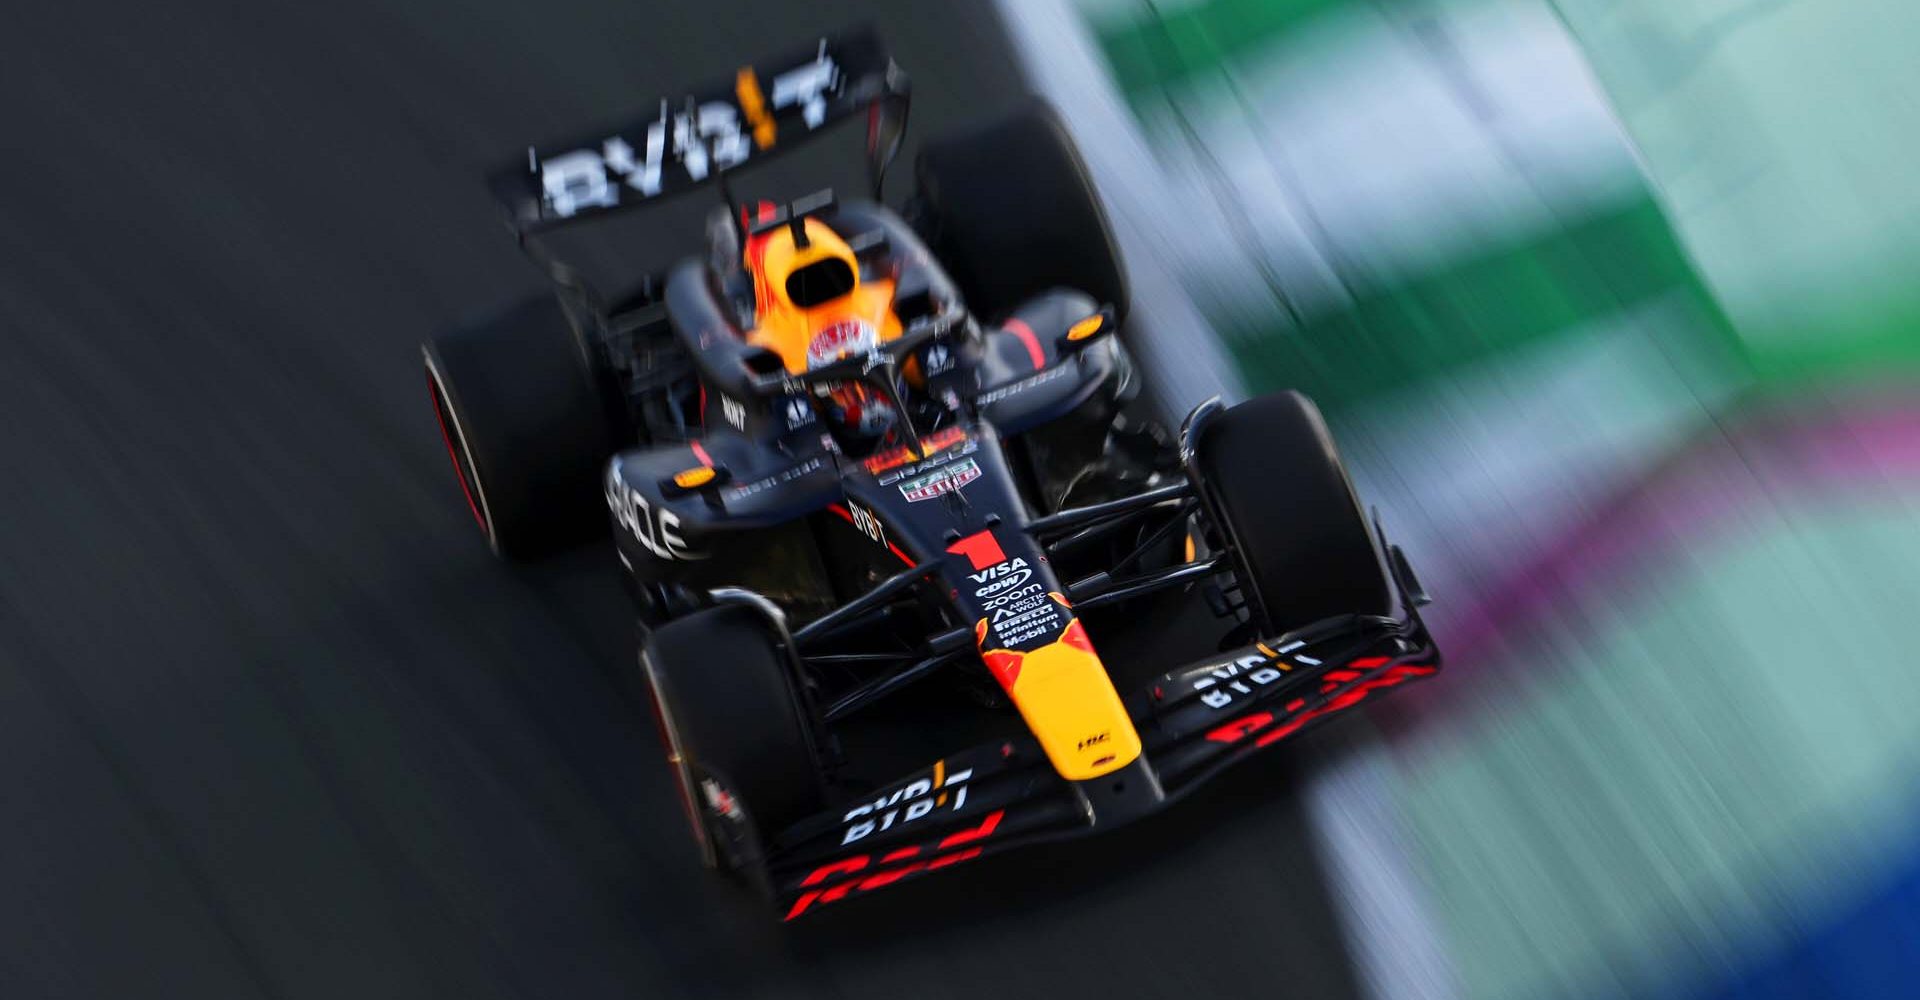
x,y
275,724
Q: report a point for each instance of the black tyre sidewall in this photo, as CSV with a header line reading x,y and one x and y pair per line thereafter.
x,y
1013,212
725,685
528,416
1304,545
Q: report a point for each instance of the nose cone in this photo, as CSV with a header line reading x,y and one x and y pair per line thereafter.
x,y
1063,692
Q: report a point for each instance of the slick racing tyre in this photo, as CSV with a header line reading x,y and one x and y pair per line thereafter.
x,y
741,752
526,426
1304,548
1011,212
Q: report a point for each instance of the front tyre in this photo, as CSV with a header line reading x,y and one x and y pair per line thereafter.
x,y
1281,497
735,732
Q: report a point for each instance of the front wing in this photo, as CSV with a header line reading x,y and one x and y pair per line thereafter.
x,y
1193,722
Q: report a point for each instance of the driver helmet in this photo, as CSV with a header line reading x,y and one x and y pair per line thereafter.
x,y
853,405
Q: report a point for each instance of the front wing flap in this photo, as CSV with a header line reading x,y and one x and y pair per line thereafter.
x,y
1194,722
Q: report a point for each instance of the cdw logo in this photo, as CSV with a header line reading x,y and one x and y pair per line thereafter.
x,y
1001,577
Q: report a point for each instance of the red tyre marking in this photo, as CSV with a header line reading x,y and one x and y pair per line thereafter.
x,y
687,803
440,402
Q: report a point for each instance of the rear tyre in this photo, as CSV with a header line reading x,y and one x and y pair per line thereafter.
x,y
1012,212
1284,502
734,732
526,426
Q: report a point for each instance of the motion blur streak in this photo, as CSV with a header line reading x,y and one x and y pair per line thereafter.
x,y
1612,306
1611,303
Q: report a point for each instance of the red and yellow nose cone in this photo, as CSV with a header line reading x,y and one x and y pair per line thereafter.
x,y
1063,692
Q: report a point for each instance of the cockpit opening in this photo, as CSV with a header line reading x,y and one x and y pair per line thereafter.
x,y
820,282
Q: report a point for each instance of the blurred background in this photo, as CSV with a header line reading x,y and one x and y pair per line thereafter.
x,y
1614,305
1611,303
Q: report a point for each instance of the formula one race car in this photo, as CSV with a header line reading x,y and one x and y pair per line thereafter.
x,y
904,538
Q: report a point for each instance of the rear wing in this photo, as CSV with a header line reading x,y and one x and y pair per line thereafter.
x,y
764,108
